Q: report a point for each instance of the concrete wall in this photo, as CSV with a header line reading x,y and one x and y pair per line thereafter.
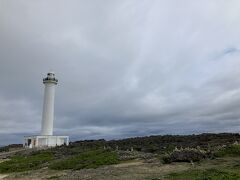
x,y
45,141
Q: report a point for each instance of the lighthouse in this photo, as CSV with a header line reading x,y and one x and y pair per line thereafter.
x,y
48,104
46,137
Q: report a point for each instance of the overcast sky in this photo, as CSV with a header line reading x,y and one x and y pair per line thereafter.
x,y
125,67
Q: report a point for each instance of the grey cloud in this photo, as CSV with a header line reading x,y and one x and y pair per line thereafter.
x,y
125,68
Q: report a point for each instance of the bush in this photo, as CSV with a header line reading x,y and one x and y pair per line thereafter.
x,y
90,159
232,150
185,155
25,163
4,149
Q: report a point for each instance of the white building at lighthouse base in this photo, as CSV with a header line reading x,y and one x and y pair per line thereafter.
x,y
39,141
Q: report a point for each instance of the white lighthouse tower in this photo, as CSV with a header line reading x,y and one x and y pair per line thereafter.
x,y
47,139
48,104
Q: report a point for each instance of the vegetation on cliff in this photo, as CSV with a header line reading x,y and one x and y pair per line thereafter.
x,y
91,154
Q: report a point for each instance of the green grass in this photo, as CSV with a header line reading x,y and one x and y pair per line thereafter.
x,y
90,159
221,171
208,174
233,150
54,177
86,159
25,163
225,169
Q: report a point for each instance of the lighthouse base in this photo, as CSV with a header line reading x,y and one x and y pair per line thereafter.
x,y
45,141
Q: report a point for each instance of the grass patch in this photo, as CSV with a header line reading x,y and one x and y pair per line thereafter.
x,y
25,163
209,174
233,150
90,159
54,177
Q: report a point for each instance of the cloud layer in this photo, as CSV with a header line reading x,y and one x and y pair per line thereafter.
x,y
126,68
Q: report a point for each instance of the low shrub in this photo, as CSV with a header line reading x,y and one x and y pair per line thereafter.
x,y
232,150
185,155
4,149
90,159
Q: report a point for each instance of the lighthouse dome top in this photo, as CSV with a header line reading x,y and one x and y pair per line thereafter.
x,y
50,78
51,72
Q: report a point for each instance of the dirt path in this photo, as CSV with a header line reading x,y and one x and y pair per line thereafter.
x,y
3,154
134,170
2,176
125,171
128,164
